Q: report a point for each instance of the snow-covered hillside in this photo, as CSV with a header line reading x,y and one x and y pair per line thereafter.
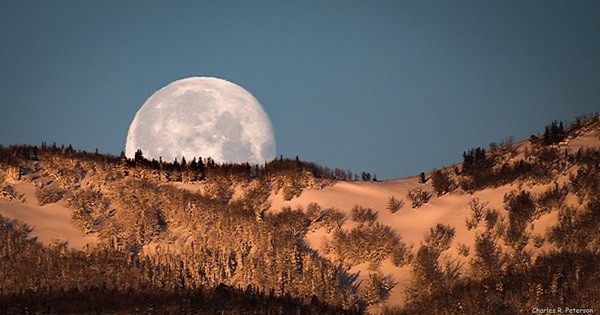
x,y
54,222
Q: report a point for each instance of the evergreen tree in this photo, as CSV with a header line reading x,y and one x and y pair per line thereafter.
x,y
139,156
393,204
366,176
442,183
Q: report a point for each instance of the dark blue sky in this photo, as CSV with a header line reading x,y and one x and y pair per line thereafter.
x,y
394,88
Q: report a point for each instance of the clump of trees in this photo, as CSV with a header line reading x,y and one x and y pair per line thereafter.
x,y
49,193
419,196
577,230
90,208
500,165
68,167
394,204
499,280
476,169
552,199
554,133
377,288
521,209
442,182
9,192
584,182
489,258
361,214
370,243
485,170
433,276
478,211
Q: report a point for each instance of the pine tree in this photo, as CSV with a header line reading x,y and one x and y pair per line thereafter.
x,y
139,156
442,183
393,204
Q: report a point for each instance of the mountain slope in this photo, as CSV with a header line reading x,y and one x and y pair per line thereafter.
x,y
282,227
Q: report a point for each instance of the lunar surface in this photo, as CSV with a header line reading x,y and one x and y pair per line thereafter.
x,y
202,117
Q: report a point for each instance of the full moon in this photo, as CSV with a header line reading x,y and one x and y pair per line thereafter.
x,y
202,117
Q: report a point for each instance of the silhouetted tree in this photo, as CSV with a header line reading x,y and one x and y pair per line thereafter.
x,y
442,183
366,176
139,156
554,133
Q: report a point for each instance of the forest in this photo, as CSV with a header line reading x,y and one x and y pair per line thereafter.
x,y
241,256
129,204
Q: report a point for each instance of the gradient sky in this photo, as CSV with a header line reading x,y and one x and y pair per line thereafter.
x,y
390,87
